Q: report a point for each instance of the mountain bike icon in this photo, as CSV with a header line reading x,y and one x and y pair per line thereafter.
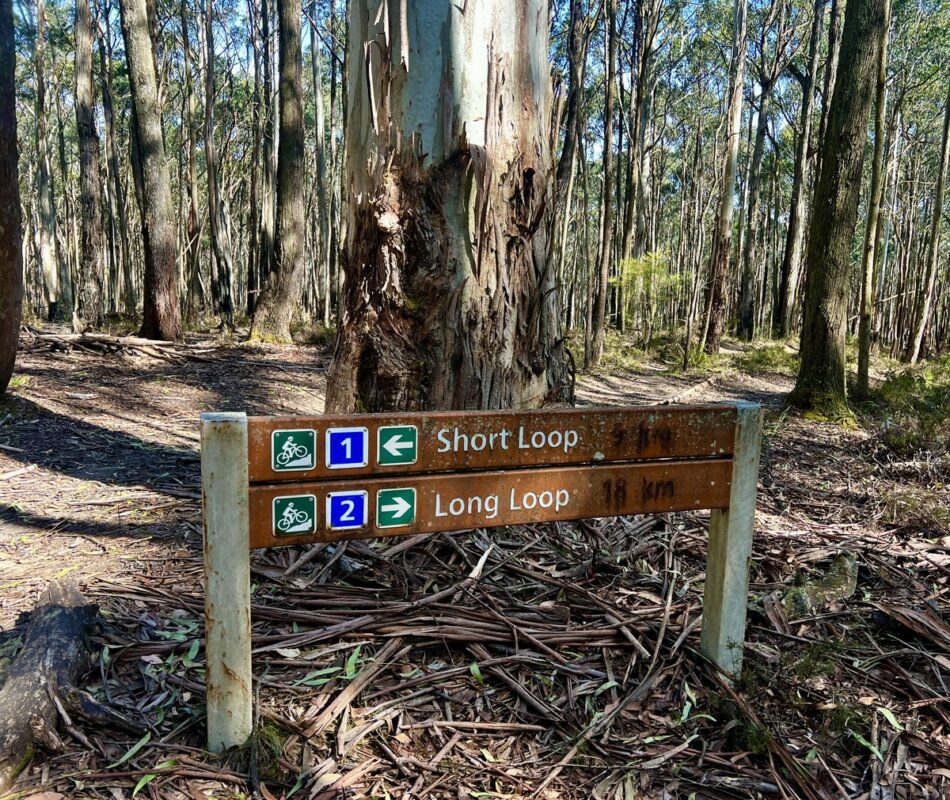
x,y
293,519
294,454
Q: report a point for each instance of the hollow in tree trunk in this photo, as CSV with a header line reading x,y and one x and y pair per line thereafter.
x,y
448,297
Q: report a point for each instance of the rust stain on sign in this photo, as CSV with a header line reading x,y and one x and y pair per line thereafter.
x,y
341,509
312,448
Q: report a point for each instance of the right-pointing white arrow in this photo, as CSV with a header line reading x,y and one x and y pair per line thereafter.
x,y
395,445
398,507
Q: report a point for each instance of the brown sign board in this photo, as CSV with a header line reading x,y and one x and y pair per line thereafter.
x,y
283,449
282,514
269,482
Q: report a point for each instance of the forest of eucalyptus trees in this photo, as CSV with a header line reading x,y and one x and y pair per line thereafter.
x,y
183,164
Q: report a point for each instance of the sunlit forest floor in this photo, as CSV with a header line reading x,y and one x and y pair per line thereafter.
x,y
568,669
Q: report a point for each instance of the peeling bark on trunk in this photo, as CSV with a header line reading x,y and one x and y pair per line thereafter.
x,y
821,378
449,300
92,259
11,244
161,318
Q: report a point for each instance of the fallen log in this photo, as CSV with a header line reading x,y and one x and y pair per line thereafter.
x,y
54,656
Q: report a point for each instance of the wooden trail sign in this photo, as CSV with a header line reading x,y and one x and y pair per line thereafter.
x,y
275,481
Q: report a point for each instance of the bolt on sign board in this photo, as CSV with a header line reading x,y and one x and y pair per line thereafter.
x,y
277,481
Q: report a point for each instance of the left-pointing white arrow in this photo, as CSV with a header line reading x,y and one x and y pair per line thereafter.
x,y
395,445
398,507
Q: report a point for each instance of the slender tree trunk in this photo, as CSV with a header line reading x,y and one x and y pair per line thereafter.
x,y
120,222
320,228
450,301
821,378
922,318
797,215
831,74
750,265
47,251
265,261
282,289
161,318
872,230
220,239
192,254
606,230
722,233
92,261
11,237
253,214
579,32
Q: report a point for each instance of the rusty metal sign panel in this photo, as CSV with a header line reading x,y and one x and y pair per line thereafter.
x,y
284,514
313,448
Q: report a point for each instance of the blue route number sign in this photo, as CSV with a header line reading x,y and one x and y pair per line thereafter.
x,y
347,448
346,510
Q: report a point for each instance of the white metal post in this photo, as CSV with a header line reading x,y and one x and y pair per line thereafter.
x,y
224,499
730,548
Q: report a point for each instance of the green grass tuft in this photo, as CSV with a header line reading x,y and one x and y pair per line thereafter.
x,y
769,358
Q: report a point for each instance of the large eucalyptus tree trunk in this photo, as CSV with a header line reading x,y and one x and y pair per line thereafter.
x,y
92,258
448,299
821,377
11,249
161,318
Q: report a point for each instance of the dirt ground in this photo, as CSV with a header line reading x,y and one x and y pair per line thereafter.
x,y
569,670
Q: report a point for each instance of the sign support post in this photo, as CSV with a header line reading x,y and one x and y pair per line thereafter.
x,y
227,558
726,590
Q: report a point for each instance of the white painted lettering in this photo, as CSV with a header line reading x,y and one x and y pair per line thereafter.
x,y
445,443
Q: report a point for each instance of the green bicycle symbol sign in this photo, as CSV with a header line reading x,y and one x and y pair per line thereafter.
x,y
293,450
295,515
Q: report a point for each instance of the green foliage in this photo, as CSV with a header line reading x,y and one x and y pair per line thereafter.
x,y
315,334
755,738
915,405
773,357
646,285
620,354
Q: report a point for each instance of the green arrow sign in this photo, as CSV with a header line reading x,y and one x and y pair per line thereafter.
x,y
396,444
395,507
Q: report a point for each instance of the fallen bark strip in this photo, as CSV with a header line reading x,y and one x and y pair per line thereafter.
x,y
54,656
